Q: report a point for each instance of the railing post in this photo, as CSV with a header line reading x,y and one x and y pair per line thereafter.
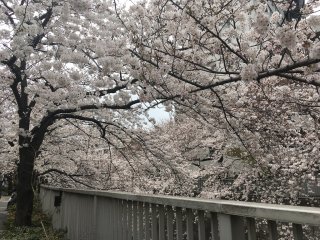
x,y
77,222
251,224
154,222
147,220
135,220
129,220
214,226
231,227
125,219
238,229
140,220
94,223
179,223
121,220
225,227
170,222
297,231
111,218
201,226
114,219
272,230
190,218
161,223
118,218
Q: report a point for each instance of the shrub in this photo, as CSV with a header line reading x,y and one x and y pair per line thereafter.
x,y
40,230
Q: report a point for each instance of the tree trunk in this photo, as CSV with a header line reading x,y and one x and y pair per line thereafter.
x,y
10,184
25,192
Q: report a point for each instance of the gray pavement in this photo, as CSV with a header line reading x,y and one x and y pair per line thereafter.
x,y
3,212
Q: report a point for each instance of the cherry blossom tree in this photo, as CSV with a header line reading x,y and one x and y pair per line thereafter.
x,y
61,61
200,46
243,66
235,65
140,162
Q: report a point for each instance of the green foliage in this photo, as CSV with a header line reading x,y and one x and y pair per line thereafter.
x,y
40,230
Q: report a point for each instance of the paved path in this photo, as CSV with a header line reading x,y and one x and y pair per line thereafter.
x,y
3,212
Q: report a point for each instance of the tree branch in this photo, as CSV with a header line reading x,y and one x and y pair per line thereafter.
x,y
82,118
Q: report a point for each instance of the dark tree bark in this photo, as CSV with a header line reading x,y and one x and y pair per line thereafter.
x,y
27,154
25,192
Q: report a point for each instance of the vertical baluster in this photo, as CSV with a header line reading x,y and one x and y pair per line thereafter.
x,y
76,231
190,218
179,223
201,225
135,220
252,232
272,230
124,219
108,223
170,222
155,235
120,220
224,226
112,214
161,223
154,222
214,226
140,220
115,219
95,202
111,218
147,220
238,229
129,220
297,231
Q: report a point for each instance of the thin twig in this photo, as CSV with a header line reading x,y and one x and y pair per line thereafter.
x,y
44,230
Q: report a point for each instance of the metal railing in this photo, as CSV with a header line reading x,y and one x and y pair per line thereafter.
x,y
106,215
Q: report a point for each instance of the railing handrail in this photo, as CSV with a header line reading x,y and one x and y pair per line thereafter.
x,y
282,213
